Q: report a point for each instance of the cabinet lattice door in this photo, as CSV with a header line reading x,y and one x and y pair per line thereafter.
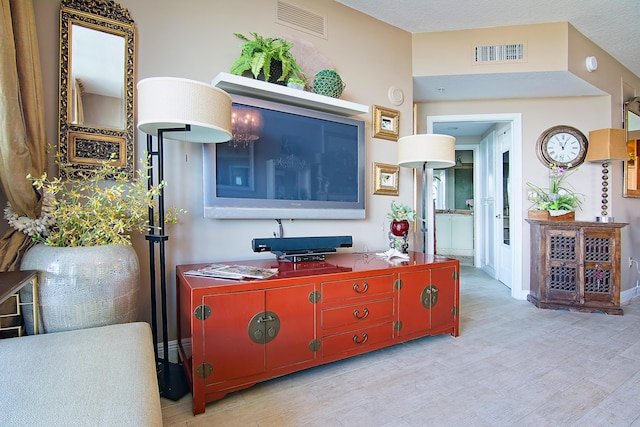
x,y
575,265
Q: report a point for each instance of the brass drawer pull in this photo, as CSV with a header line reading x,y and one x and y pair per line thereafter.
x,y
356,287
365,313
365,337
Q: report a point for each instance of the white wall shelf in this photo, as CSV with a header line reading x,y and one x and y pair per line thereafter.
x,y
283,94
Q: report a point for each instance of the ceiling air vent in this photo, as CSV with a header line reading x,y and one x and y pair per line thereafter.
x,y
295,17
499,53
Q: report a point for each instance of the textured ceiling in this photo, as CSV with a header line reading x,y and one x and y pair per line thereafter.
x,y
611,24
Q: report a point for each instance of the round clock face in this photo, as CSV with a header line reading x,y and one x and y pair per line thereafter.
x,y
563,146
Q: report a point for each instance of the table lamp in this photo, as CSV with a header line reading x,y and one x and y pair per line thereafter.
x,y
203,114
426,151
606,145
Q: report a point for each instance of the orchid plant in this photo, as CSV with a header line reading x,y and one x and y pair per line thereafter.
x,y
400,212
559,196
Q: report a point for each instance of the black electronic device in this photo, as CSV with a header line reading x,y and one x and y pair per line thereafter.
x,y
299,249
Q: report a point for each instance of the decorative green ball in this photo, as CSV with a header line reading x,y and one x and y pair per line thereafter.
x,y
329,83
329,73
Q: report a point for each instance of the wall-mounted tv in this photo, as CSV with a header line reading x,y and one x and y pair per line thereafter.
x,y
285,161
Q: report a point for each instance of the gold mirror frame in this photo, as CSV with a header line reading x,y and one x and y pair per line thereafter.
x,y
631,166
83,146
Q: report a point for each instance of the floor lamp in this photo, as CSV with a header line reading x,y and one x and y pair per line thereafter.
x,y
202,113
426,151
607,145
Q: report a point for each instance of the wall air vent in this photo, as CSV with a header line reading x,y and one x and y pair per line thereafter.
x,y
300,19
499,53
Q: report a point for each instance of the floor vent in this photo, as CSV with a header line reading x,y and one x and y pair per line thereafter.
x,y
295,17
499,53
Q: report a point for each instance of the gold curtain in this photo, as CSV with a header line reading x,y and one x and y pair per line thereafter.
x,y
22,136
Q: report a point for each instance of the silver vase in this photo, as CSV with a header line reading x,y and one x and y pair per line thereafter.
x,y
82,287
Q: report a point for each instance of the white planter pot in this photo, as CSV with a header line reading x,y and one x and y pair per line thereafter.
x,y
82,287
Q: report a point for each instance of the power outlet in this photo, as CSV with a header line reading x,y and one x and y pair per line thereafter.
x,y
630,262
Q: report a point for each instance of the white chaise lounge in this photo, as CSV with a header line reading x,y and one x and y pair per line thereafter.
x,y
102,376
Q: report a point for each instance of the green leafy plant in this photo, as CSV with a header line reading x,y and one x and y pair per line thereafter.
x,y
97,207
559,196
400,212
257,54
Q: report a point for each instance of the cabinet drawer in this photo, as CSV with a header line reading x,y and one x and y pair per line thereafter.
x,y
354,314
357,339
356,288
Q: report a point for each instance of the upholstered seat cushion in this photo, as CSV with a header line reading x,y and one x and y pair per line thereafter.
x,y
102,376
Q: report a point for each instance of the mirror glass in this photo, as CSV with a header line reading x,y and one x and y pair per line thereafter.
x,y
632,125
97,59
97,78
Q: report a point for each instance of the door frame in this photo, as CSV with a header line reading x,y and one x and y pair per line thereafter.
x,y
515,160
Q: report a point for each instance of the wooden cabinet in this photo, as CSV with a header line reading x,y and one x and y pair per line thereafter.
x,y
233,334
575,265
11,305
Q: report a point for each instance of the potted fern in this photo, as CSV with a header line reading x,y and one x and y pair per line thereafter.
x,y
266,58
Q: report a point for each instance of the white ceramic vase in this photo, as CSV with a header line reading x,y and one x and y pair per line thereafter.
x,y
82,287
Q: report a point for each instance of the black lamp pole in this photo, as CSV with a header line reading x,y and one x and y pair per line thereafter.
x,y
172,380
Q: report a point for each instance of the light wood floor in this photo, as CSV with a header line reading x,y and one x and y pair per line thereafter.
x,y
513,364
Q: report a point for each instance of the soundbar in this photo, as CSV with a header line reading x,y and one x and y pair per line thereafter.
x,y
301,248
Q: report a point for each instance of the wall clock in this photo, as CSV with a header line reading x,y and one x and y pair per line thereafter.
x,y
563,146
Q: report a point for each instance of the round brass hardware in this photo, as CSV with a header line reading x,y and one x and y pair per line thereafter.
x,y
357,315
356,287
429,296
264,327
359,341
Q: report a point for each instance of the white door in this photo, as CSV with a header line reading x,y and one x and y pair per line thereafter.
x,y
502,217
487,205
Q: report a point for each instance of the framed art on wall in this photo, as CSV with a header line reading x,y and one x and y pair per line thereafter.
x,y
386,123
386,179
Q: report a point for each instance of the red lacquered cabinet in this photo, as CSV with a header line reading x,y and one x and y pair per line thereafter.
x,y
233,334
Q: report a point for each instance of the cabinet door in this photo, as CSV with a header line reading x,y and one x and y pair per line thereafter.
x,y
414,300
564,252
601,257
296,314
444,309
227,345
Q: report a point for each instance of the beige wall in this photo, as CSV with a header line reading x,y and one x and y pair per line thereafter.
x,y
551,47
451,52
194,39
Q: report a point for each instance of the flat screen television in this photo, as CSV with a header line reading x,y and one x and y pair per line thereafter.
x,y
286,162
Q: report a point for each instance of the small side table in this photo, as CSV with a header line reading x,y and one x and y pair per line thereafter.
x,y
10,284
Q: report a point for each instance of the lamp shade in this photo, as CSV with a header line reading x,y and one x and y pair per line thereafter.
x,y
607,145
171,102
437,151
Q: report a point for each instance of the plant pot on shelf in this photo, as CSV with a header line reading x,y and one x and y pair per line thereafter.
x,y
275,72
540,215
82,287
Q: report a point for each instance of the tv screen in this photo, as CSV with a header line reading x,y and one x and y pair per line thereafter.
x,y
285,162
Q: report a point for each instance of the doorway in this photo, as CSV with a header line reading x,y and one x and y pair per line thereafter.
x,y
496,140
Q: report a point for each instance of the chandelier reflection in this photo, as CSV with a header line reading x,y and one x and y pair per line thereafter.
x,y
246,124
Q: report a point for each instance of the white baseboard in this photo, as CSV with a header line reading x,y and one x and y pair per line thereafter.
x,y
629,294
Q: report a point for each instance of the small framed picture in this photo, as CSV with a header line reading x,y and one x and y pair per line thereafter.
x,y
386,123
386,179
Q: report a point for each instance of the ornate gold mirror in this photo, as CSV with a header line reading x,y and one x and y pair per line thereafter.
x,y
632,125
97,57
